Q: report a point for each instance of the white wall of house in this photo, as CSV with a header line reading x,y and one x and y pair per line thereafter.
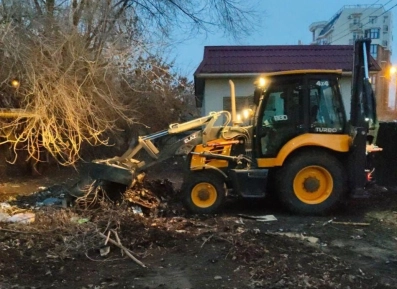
x,y
218,88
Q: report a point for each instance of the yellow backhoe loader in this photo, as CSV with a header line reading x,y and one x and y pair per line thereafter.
x,y
298,139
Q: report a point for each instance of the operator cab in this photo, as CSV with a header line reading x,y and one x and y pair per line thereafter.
x,y
294,103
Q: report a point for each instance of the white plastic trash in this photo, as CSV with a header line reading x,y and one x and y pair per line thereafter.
x,y
4,206
4,217
23,218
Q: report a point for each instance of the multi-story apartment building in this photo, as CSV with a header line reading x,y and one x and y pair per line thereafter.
x,y
352,22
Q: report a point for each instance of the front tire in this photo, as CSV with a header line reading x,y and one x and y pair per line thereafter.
x,y
312,183
203,192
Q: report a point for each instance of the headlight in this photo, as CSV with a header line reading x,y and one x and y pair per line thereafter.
x,y
261,82
247,113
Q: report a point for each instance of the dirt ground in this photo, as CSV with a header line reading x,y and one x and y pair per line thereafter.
x,y
355,247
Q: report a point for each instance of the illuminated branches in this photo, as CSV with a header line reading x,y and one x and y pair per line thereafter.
x,y
83,67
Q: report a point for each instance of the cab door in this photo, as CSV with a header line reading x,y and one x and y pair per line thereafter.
x,y
282,114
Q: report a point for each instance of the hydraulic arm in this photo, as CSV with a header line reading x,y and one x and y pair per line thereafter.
x,y
122,169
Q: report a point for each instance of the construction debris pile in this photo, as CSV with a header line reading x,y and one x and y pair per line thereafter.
x,y
144,198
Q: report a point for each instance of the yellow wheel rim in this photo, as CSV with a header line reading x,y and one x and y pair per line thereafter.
x,y
313,185
204,195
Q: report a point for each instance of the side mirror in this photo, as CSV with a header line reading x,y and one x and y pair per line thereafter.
x,y
257,95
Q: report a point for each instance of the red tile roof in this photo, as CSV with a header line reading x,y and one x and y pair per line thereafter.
x,y
260,59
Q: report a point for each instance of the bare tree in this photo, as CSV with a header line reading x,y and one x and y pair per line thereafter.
x,y
234,18
161,96
79,67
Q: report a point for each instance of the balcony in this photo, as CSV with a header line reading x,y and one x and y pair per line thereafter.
x,y
355,26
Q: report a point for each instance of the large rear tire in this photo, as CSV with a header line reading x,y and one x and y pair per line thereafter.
x,y
203,192
312,183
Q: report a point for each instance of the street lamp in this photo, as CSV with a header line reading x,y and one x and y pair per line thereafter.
x,y
392,88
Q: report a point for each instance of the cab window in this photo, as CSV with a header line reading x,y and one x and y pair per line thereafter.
x,y
326,107
282,116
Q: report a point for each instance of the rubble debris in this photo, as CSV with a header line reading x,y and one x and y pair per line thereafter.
x,y
239,221
332,221
263,218
147,195
150,194
104,251
310,239
351,223
328,222
49,196
142,197
23,218
218,277
49,202
13,214
4,206
79,220
3,217
356,237
137,210
256,231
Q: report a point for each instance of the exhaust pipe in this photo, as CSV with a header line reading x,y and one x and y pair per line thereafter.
x,y
233,102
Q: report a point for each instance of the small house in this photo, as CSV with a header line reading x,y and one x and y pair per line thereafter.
x,y
244,64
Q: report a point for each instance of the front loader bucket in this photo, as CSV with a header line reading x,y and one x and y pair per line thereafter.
x,y
101,174
111,173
